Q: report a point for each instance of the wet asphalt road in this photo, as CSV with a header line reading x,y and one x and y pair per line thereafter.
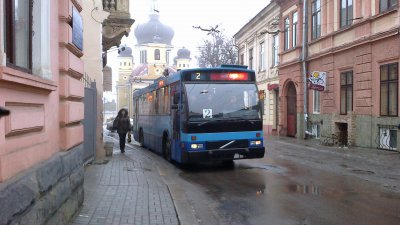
x,y
281,190
278,192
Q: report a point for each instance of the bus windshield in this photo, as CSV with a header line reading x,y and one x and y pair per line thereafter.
x,y
227,101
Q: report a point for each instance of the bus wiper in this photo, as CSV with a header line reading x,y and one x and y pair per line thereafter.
x,y
209,121
237,118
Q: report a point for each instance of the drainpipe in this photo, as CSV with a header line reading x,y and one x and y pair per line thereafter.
x,y
304,64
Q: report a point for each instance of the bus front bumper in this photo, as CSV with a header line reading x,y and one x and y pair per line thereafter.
x,y
226,154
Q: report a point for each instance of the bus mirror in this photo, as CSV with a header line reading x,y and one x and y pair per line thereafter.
x,y
176,98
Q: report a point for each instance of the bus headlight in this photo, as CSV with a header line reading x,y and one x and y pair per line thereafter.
x,y
255,143
196,146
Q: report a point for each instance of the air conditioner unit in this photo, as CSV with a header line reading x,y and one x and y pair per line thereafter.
x,y
387,138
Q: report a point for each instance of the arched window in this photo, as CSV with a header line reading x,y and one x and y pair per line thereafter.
x,y
157,54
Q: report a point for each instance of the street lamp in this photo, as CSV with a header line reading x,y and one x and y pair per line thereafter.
x,y
4,112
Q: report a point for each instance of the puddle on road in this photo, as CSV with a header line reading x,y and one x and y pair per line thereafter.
x,y
303,189
260,191
362,172
131,169
268,167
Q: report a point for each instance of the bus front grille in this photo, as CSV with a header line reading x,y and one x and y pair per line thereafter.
x,y
210,145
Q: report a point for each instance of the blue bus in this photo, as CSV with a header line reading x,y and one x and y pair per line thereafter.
x,y
201,114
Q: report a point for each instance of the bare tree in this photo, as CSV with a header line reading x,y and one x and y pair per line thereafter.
x,y
217,49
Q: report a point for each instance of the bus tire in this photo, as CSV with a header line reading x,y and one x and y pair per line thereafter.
x,y
141,138
229,163
167,148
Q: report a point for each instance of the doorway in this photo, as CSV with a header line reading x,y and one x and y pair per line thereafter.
x,y
291,110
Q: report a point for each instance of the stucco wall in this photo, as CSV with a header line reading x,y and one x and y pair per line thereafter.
x,y
41,169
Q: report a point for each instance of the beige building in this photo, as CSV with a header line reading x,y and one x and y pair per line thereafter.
x,y
103,29
258,43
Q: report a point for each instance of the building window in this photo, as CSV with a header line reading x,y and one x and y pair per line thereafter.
x,y
143,57
275,50
286,34
262,57
157,54
294,29
251,59
18,30
389,89
346,13
316,19
385,5
241,59
346,92
167,53
316,101
124,63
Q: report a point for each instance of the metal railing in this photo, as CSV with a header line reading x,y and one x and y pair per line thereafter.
x,y
386,137
86,80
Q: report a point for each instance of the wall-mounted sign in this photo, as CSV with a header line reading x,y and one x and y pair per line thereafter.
x,y
317,81
271,87
77,29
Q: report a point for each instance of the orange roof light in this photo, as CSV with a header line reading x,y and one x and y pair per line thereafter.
x,y
160,83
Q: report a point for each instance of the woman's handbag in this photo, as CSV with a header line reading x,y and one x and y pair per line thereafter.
x,y
115,123
129,137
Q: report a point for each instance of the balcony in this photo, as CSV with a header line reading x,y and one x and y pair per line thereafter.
x,y
118,23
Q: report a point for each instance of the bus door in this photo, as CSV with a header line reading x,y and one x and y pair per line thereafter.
x,y
175,116
175,119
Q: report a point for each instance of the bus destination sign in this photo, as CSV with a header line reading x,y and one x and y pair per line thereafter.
x,y
219,76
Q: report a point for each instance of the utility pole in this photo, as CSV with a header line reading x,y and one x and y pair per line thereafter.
x,y
304,64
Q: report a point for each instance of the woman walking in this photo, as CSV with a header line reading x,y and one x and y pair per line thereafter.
x,y
123,125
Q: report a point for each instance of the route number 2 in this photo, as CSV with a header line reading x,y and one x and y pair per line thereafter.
x,y
207,113
198,76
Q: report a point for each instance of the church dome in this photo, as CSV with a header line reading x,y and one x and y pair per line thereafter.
x,y
154,32
125,52
183,53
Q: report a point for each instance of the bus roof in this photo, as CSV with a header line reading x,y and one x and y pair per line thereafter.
x,y
178,76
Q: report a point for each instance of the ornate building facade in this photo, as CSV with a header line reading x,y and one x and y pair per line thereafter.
x,y
356,46
258,43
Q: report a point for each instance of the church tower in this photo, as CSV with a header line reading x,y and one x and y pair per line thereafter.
x,y
125,67
182,60
154,43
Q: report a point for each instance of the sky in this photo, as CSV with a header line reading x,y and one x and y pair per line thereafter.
x,y
181,15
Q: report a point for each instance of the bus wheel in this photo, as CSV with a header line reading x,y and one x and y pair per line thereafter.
x,y
141,138
228,163
167,148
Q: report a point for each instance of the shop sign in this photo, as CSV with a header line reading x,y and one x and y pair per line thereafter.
x,y
317,81
271,87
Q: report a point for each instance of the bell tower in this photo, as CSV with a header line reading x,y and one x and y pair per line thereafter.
x,y
125,68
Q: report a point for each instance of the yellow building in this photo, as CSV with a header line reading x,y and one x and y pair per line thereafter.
x,y
126,64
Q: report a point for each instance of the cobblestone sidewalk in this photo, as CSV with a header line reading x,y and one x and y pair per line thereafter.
x,y
126,190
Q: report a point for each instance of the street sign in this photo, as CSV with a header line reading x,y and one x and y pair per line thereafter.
x,y
317,81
